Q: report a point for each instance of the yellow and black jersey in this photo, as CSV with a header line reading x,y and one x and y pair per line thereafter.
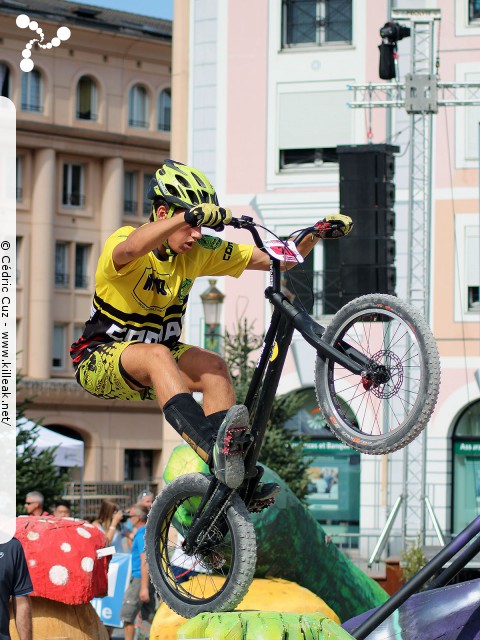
x,y
146,299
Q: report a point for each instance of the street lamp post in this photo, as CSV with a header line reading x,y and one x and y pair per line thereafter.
x,y
212,300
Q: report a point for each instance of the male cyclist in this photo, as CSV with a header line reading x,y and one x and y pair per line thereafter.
x,y
131,349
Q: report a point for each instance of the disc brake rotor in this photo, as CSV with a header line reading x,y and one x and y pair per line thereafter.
x,y
386,377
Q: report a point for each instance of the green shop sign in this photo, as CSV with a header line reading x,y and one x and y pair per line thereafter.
x,y
325,446
467,448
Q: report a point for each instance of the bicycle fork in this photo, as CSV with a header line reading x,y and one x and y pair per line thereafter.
x,y
201,537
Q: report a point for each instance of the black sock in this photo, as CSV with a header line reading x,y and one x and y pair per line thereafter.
x,y
215,420
188,419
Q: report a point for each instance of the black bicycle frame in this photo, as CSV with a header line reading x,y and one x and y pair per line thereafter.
x,y
263,386
285,319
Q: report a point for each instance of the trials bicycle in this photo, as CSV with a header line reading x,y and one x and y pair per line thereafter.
x,y
377,378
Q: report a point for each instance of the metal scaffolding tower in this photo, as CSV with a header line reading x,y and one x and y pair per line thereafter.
x,y
420,95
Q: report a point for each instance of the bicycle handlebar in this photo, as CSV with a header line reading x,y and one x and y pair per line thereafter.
x,y
246,222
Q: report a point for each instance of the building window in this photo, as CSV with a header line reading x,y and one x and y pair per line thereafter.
x,y
82,265
61,265
147,204
18,257
316,22
301,159
467,267
130,187
19,179
312,142
5,87
138,107
86,99
164,110
466,468
73,185
32,90
138,464
472,269
474,10
59,346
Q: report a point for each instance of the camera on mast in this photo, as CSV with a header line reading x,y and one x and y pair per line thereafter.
x,y
391,33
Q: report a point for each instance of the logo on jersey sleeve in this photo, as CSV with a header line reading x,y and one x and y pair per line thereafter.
x,y
152,290
184,290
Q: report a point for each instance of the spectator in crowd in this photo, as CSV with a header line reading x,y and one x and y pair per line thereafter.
x,y
109,520
15,583
148,608
146,497
137,591
61,509
34,504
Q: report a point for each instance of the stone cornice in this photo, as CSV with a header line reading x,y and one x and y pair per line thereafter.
x,y
106,144
66,392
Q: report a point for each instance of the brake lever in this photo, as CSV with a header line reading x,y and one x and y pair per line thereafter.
x,y
245,222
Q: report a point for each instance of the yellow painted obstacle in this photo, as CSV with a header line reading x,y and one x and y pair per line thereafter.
x,y
55,620
264,595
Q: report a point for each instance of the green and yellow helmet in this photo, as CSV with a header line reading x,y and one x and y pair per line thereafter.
x,y
180,186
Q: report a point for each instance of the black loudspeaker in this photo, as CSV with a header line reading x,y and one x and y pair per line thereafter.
x,y
363,262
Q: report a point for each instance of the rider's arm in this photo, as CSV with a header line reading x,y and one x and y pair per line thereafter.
x,y
146,238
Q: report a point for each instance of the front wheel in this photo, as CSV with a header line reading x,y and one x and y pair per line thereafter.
x,y
390,403
216,575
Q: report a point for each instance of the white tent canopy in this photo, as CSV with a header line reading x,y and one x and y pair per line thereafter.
x,y
69,452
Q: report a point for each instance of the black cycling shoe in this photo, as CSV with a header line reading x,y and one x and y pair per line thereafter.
x,y
264,496
232,440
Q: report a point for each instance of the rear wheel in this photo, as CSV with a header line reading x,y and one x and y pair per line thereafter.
x,y
216,575
389,404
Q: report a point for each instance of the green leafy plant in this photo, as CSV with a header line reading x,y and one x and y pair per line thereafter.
x,y
412,559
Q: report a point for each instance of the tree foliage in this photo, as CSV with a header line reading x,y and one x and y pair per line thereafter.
x,y
279,451
412,559
36,470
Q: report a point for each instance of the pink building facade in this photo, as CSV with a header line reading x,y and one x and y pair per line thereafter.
x,y
266,105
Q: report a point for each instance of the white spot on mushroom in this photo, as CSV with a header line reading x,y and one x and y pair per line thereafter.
x,y
87,564
84,533
58,575
89,525
32,562
66,547
33,535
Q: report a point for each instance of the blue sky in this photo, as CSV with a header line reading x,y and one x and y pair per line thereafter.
x,y
153,8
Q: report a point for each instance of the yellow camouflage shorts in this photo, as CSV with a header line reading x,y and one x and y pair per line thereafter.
x,y
102,374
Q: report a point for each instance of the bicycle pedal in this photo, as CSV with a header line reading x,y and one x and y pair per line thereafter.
x,y
259,505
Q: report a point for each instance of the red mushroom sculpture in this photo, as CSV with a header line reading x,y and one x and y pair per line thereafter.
x,y
62,558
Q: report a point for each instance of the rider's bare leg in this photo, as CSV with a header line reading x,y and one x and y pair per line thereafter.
x,y
207,372
152,365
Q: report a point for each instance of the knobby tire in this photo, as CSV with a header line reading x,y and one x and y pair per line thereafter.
x,y
384,417
224,567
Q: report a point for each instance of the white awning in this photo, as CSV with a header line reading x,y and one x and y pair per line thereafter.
x,y
69,452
